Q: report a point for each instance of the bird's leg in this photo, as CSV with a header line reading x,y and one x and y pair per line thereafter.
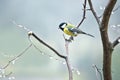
x,y
71,38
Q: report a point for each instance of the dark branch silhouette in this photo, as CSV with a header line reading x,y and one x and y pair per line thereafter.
x,y
97,71
30,33
116,42
116,8
94,13
84,13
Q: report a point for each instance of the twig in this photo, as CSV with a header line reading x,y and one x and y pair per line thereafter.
x,y
116,42
67,58
30,33
69,68
16,57
94,13
20,26
97,71
84,13
116,8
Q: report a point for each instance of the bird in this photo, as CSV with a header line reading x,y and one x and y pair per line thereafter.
x,y
71,30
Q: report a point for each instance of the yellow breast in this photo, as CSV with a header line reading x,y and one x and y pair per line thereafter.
x,y
68,32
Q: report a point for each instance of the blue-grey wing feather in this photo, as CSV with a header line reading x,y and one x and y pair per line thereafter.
x,y
78,31
75,30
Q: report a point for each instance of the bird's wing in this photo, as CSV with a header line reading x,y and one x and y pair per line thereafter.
x,y
78,31
74,30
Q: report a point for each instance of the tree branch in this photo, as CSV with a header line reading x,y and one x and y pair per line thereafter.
x,y
107,14
97,71
116,42
116,8
16,57
107,46
84,13
94,13
69,68
30,33
67,41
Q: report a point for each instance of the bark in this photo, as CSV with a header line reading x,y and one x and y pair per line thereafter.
x,y
107,45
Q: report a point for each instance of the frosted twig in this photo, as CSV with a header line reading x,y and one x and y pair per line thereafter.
x,y
15,58
97,71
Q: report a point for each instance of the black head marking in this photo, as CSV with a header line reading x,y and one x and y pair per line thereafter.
x,y
62,25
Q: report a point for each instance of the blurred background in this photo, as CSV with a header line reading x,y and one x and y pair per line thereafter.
x,y
43,18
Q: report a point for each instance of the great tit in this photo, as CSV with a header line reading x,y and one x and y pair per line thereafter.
x,y
71,29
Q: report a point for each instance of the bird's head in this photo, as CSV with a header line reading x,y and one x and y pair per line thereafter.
x,y
62,25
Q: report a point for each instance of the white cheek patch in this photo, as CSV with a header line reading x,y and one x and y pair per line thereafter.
x,y
63,25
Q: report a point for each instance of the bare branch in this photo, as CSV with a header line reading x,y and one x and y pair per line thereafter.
x,y
94,13
67,41
30,33
116,8
97,71
116,42
69,68
107,14
107,46
84,13
16,57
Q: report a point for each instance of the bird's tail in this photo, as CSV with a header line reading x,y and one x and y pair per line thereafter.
x,y
87,34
